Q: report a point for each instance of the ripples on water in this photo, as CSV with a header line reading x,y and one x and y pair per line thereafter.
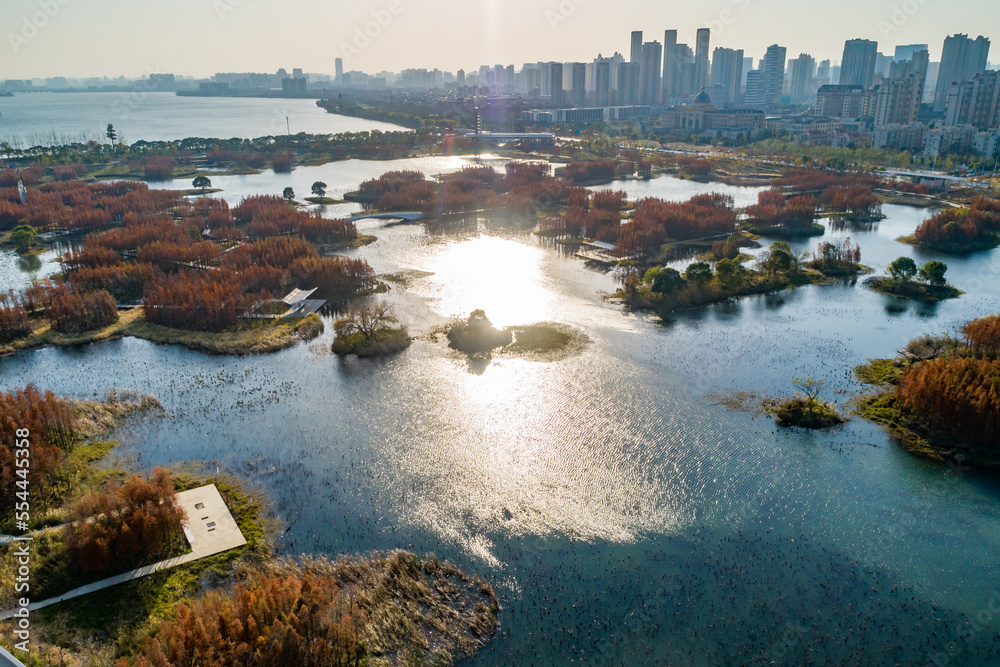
x,y
624,518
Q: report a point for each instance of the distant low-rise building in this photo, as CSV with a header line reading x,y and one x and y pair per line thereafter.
x,y
703,117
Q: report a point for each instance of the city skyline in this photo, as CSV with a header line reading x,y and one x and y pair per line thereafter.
x,y
38,33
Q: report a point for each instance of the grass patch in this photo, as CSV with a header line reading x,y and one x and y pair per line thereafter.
x,y
545,341
806,412
881,372
912,290
263,337
884,410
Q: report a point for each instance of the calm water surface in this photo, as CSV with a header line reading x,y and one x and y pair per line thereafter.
x,y
45,119
623,516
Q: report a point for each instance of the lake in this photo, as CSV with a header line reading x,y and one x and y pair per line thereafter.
x,y
47,119
622,514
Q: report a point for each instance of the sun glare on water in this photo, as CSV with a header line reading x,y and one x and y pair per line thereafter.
x,y
505,278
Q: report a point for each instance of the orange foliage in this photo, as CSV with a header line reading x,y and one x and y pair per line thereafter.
x,y
124,524
272,622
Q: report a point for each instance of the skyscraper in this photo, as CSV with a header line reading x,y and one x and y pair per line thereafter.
x,y
669,65
651,81
339,64
628,84
701,57
756,96
774,75
578,82
636,53
602,82
556,83
802,77
727,71
897,100
960,59
906,51
857,68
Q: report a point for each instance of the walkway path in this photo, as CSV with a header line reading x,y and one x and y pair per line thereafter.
x,y
210,529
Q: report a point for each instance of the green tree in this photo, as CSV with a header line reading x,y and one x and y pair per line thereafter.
x,y
289,195
902,269
319,189
731,273
663,280
780,258
23,236
933,272
112,136
203,183
699,272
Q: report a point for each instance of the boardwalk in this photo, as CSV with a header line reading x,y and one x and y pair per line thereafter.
x,y
210,529
409,216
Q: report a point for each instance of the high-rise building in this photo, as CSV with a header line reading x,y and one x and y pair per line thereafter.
x,y
906,51
636,52
858,65
460,77
651,81
628,84
701,57
823,72
727,71
897,100
882,62
669,65
602,82
578,83
685,71
961,58
774,75
555,83
975,101
756,93
339,64
802,75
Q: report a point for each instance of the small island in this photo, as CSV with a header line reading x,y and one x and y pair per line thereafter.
x,y
938,398
960,230
542,341
806,410
370,332
664,290
900,281
477,335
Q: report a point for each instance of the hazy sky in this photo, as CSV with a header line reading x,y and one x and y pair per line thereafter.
x,y
78,38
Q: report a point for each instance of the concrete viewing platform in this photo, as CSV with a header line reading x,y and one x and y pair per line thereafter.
x,y
210,529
